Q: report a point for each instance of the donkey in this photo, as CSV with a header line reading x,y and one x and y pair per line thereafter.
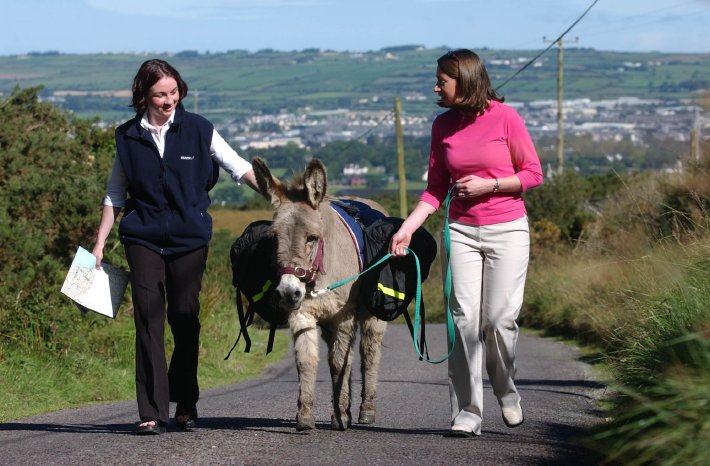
x,y
312,240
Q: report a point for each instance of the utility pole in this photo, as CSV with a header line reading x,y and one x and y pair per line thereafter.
x,y
400,158
560,110
694,145
695,139
195,103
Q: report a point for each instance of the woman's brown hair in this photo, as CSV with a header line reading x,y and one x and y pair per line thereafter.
x,y
149,73
474,90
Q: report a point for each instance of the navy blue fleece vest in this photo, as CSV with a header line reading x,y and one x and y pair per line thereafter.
x,y
167,202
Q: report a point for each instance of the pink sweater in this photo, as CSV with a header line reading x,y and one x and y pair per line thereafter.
x,y
496,145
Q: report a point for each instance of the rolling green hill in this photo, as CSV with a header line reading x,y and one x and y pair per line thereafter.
x,y
238,83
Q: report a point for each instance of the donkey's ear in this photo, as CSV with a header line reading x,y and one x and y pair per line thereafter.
x,y
271,188
315,180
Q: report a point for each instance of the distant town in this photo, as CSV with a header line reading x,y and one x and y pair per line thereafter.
x,y
642,120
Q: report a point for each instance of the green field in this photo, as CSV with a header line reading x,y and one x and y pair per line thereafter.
x,y
235,84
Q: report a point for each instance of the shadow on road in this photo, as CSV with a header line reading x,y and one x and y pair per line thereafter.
x,y
70,428
206,423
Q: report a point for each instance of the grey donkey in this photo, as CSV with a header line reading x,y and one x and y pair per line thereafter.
x,y
315,249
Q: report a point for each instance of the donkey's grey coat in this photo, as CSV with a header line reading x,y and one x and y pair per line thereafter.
x,y
303,217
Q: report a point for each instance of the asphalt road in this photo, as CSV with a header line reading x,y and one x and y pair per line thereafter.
x,y
253,422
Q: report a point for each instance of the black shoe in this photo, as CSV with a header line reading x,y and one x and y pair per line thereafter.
x,y
189,415
156,428
462,431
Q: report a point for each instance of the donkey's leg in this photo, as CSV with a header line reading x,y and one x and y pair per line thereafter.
x,y
371,335
305,344
340,337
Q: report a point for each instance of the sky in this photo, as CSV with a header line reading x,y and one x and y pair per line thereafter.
x,y
116,26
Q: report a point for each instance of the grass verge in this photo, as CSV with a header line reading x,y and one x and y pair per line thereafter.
x,y
94,361
638,288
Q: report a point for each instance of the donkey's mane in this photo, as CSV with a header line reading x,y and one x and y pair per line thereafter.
x,y
296,182
296,189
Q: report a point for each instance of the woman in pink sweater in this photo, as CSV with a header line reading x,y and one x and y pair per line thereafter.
x,y
482,147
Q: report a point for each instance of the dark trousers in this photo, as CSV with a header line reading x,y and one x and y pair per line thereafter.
x,y
155,279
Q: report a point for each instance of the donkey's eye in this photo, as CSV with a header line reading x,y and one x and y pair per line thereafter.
x,y
311,238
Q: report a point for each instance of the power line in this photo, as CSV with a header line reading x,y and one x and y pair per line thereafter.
x,y
552,43
631,21
627,24
642,15
364,134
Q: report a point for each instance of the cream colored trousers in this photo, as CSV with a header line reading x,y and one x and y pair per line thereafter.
x,y
488,268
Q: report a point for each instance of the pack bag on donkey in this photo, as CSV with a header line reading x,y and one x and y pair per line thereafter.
x,y
389,288
255,275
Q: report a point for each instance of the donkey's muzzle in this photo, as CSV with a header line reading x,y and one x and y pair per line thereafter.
x,y
290,293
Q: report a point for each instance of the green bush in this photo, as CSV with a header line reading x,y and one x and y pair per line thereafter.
x,y
569,202
53,177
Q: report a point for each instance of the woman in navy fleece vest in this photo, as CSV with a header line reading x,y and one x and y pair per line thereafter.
x,y
166,162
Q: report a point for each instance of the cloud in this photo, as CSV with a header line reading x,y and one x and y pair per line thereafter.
x,y
199,9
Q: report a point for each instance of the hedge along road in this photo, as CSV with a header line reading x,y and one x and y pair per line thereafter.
x,y
253,422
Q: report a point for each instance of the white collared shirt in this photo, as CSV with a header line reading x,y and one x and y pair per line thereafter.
x,y
158,132
220,150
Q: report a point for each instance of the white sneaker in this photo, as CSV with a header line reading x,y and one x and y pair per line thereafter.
x,y
513,416
461,430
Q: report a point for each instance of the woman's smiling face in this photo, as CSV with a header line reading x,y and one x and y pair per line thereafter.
x,y
163,97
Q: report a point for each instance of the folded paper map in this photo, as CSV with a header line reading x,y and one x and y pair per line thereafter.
x,y
93,289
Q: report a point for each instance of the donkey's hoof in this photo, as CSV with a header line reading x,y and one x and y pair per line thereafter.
x,y
366,417
305,423
340,423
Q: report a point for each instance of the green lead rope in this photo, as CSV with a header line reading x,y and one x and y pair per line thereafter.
x,y
450,327
417,306
342,282
451,331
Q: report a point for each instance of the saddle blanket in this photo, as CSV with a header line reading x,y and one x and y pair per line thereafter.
x,y
356,216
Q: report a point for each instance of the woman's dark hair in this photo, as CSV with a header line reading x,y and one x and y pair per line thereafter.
x,y
474,90
149,73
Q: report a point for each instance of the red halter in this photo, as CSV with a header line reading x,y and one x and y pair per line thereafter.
x,y
307,275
